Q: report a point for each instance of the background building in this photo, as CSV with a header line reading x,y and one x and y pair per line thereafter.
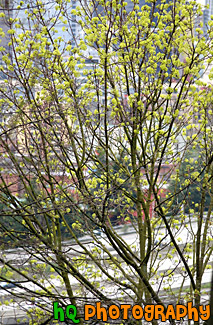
x,y
207,14
5,9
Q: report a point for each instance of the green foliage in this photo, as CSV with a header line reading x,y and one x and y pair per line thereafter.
x,y
97,125
188,184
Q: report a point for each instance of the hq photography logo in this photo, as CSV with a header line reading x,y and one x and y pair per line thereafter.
x,y
126,311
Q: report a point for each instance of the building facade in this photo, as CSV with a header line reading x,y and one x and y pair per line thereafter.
x,y
207,13
5,14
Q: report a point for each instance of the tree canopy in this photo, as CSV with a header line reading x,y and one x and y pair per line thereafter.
x,y
102,123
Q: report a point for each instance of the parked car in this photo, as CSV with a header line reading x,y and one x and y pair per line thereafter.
x,y
7,285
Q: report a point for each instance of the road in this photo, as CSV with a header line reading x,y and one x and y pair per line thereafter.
x,y
9,313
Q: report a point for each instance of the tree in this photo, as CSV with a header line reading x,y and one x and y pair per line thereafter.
x,y
130,88
190,198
